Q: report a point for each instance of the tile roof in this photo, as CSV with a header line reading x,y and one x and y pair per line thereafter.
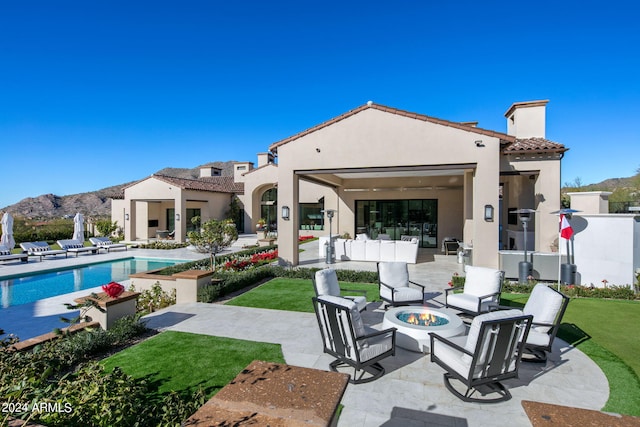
x,y
221,184
534,145
510,143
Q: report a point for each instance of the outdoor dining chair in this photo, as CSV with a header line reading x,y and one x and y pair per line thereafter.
x,y
489,353
345,337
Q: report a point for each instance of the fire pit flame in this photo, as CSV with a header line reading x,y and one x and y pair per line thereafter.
x,y
422,319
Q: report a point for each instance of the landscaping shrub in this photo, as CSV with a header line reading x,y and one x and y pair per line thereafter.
x,y
204,264
163,245
154,298
62,373
573,291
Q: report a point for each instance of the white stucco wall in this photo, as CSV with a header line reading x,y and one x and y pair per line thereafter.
x,y
606,247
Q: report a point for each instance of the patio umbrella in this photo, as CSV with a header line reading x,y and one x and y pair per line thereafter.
x,y
7,231
78,227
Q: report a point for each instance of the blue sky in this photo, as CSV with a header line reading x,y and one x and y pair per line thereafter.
x,y
94,94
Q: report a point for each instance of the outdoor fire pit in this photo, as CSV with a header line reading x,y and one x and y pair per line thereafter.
x,y
414,324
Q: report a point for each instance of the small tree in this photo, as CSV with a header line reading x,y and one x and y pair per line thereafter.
x,y
106,227
213,236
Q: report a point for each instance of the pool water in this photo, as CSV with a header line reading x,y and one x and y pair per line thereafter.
x,y
26,289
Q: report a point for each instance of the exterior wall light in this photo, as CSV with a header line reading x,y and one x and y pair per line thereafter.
x,y
178,217
126,217
488,213
285,212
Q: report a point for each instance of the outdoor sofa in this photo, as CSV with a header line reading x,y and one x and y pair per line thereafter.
x,y
41,249
365,249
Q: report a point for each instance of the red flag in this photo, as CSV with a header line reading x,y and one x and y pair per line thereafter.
x,y
565,228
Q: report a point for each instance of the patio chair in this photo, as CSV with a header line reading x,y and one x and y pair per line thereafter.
x,y
325,282
106,243
547,306
345,337
6,255
393,278
41,249
488,354
76,246
481,291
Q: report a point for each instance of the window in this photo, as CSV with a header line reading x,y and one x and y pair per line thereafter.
x,y
311,216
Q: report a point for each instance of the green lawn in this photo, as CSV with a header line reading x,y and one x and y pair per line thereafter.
x,y
184,362
294,294
605,331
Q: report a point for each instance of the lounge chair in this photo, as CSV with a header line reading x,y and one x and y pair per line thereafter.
x,y
480,293
488,354
393,279
106,243
325,282
76,247
345,337
41,249
6,255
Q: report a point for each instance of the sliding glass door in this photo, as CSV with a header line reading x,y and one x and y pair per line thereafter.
x,y
396,218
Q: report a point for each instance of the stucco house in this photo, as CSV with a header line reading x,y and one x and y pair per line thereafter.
x,y
385,172
163,206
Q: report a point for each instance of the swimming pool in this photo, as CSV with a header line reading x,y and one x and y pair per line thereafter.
x,y
26,289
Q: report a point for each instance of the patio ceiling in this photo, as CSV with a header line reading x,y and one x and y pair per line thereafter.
x,y
341,177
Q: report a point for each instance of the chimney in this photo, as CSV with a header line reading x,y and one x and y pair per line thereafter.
x,y
526,119
207,171
265,159
240,168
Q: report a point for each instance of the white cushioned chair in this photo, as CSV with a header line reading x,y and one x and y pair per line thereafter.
x,y
480,293
393,278
488,354
345,337
41,249
547,306
325,282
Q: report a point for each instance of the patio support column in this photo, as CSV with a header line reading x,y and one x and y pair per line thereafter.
x,y
129,225
546,202
181,226
288,195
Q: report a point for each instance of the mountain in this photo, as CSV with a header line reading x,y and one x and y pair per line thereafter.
x,y
94,203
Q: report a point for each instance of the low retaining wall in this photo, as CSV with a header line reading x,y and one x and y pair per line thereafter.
x,y
186,283
545,264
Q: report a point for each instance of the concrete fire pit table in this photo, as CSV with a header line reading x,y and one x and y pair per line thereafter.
x,y
414,324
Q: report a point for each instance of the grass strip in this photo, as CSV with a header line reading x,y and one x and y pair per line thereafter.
x,y
604,334
205,361
294,294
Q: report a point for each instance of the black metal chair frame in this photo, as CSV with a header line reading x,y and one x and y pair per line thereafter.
x,y
503,344
480,299
341,347
392,301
